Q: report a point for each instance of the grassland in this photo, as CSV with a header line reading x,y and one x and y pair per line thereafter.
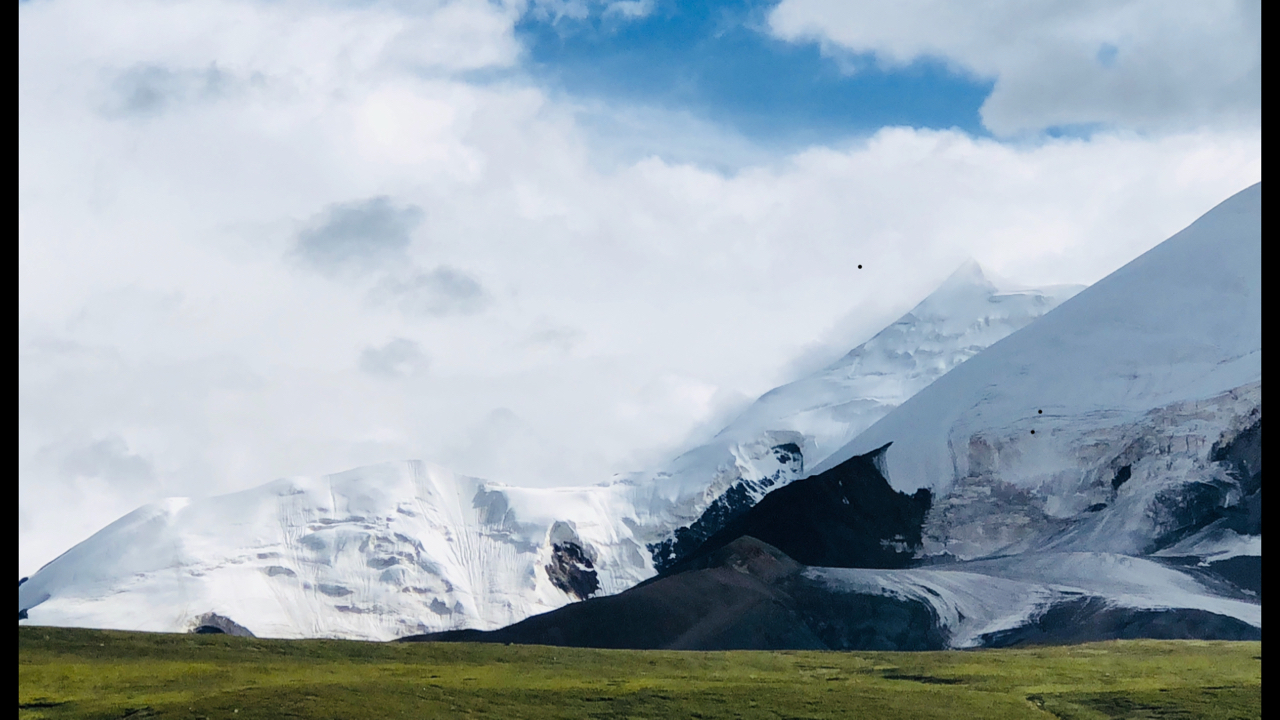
x,y
65,673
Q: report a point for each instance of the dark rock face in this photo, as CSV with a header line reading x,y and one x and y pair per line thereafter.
x,y
572,564
1186,509
571,570
1091,619
1243,455
730,505
1234,504
1239,577
734,502
1122,476
1244,571
851,621
848,516
212,623
22,612
1247,516
334,590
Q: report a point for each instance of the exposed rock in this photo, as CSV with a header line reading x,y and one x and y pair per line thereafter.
x,y
1182,510
731,504
979,513
1122,476
1134,486
1243,571
212,623
333,590
848,516
572,569
1092,619
854,621
1242,454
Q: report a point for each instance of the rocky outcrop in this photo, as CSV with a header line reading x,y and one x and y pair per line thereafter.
x,y
848,516
572,565
212,623
731,504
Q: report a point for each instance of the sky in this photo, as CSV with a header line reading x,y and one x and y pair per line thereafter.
x,y
547,242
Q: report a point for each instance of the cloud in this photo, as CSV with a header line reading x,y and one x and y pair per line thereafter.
x,y
149,89
359,237
556,10
398,358
108,459
561,338
1143,64
630,9
82,484
442,291
372,238
146,89
160,299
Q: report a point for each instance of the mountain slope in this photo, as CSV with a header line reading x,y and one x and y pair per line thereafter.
x,y
829,408
1126,420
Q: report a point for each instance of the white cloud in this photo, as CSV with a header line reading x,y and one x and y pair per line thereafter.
x,y
358,236
442,291
399,357
618,308
630,9
556,10
1141,64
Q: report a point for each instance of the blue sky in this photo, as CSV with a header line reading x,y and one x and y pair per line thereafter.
x,y
717,61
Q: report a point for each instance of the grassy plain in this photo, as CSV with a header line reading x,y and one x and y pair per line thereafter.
x,y
66,673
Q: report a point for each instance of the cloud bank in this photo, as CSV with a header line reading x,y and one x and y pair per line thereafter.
x,y
1140,64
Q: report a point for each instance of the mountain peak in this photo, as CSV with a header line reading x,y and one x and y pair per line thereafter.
x,y
970,272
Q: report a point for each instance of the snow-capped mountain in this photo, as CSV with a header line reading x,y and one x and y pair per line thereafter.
x,y
830,407
1127,420
401,548
1095,475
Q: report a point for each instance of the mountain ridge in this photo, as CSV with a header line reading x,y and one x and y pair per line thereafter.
x,y
1166,471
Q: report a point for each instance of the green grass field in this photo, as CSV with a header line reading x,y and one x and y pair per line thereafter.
x,y
66,673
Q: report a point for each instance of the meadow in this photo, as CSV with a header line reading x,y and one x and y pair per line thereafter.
x,y
72,673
